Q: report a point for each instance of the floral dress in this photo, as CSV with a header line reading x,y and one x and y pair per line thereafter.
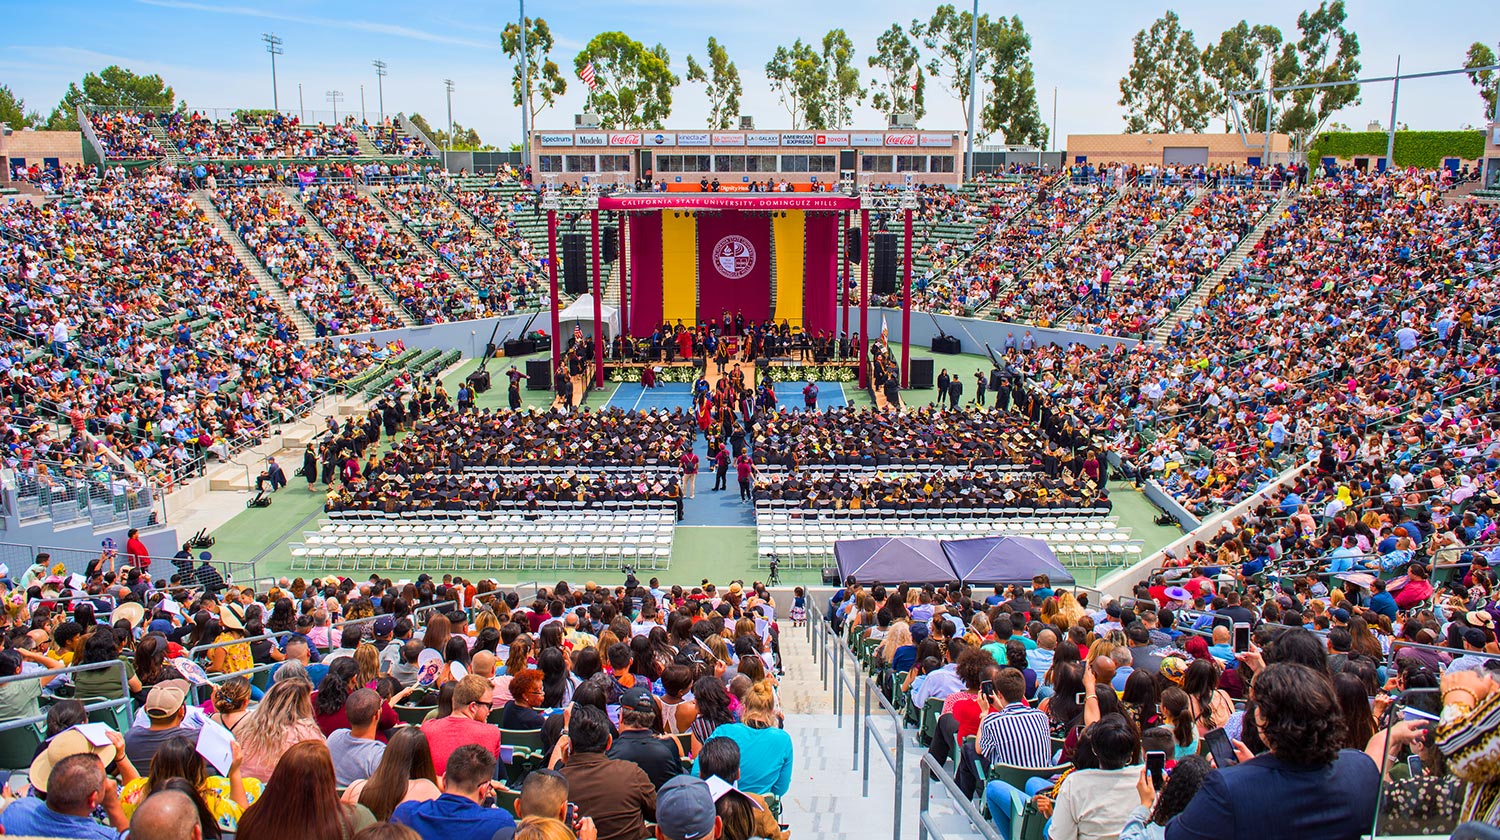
x,y
215,793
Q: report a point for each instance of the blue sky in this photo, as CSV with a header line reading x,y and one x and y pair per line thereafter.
x,y
211,52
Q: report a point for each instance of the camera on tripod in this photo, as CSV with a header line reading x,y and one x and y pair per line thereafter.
x,y
774,578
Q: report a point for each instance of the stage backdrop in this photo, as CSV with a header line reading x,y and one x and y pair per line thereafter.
x,y
645,273
734,265
819,306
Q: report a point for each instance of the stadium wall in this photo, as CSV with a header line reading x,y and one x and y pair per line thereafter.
x,y
1143,149
30,147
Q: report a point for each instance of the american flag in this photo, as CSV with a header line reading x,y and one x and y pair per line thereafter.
x,y
587,75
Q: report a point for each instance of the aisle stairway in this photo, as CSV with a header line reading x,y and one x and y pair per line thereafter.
x,y
1228,266
825,799
367,146
168,147
345,258
263,278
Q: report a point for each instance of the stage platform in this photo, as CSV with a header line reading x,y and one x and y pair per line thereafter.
x,y
631,396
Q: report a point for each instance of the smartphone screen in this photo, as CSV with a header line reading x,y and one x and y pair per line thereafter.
x,y
987,688
1241,637
1080,697
1414,764
1156,765
1220,748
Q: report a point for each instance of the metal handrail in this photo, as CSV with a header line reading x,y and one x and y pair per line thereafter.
x,y
123,700
926,825
896,763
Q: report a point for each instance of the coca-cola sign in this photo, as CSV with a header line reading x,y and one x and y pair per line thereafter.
x,y
625,139
902,139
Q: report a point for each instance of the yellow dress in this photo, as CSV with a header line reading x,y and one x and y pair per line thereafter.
x,y
215,793
236,657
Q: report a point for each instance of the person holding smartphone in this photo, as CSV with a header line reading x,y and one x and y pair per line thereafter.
x,y
1316,790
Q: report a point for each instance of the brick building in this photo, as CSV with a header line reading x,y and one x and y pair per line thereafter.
x,y
1143,149
49,148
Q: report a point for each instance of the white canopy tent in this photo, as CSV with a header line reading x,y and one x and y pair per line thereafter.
x,y
581,313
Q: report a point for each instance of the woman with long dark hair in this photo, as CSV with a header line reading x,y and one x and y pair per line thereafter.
x,y
1062,708
301,801
225,797
557,681
405,774
1211,706
713,709
1354,702
343,679
103,645
439,630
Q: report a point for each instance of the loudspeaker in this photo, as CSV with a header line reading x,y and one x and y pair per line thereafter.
x,y
921,373
854,241
519,347
610,245
948,344
762,363
846,160
479,381
538,375
885,262
575,264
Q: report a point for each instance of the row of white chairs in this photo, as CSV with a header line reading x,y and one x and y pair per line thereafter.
x,y
571,523
482,557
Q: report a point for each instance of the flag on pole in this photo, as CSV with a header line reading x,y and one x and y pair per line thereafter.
x,y
587,75
885,330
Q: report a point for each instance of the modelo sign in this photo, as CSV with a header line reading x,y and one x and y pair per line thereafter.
x,y
695,139
903,139
799,139
832,139
590,140
556,139
625,139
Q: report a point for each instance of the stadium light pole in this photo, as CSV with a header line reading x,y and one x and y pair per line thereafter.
x,y
448,146
1390,135
525,94
380,74
1270,83
301,108
273,46
335,97
973,70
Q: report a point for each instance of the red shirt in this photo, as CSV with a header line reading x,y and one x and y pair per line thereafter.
x,y
445,735
689,463
136,553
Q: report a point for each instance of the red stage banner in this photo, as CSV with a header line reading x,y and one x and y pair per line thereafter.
x,y
645,273
726,201
820,280
734,265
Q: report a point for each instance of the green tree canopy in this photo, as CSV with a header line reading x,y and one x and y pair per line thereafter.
x,y
464,139
1165,89
1010,107
543,77
1326,52
722,82
900,89
1237,63
796,75
13,110
113,87
1488,81
634,83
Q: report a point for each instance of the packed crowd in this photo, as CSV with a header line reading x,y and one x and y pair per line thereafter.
x,y
1136,299
315,277
1096,720
906,489
337,709
146,330
505,282
126,135
1078,271
1372,294
253,135
452,440
425,285
866,437
943,286
391,140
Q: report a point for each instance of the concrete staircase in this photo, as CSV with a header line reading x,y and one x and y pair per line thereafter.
x,y
367,146
168,147
1149,246
268,284
317,229
1229,265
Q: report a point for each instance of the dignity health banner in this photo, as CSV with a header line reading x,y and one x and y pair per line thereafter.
x,y
734,265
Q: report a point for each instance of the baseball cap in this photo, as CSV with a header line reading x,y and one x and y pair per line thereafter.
x,y
1340,615
385,625
639,699
685,809
166,698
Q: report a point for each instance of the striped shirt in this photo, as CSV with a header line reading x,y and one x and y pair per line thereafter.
x,y
1017,735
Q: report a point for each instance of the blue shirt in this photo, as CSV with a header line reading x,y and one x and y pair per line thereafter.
x,y
765,758
29,816
451,817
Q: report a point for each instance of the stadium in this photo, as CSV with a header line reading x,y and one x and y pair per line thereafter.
x,y
660,469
